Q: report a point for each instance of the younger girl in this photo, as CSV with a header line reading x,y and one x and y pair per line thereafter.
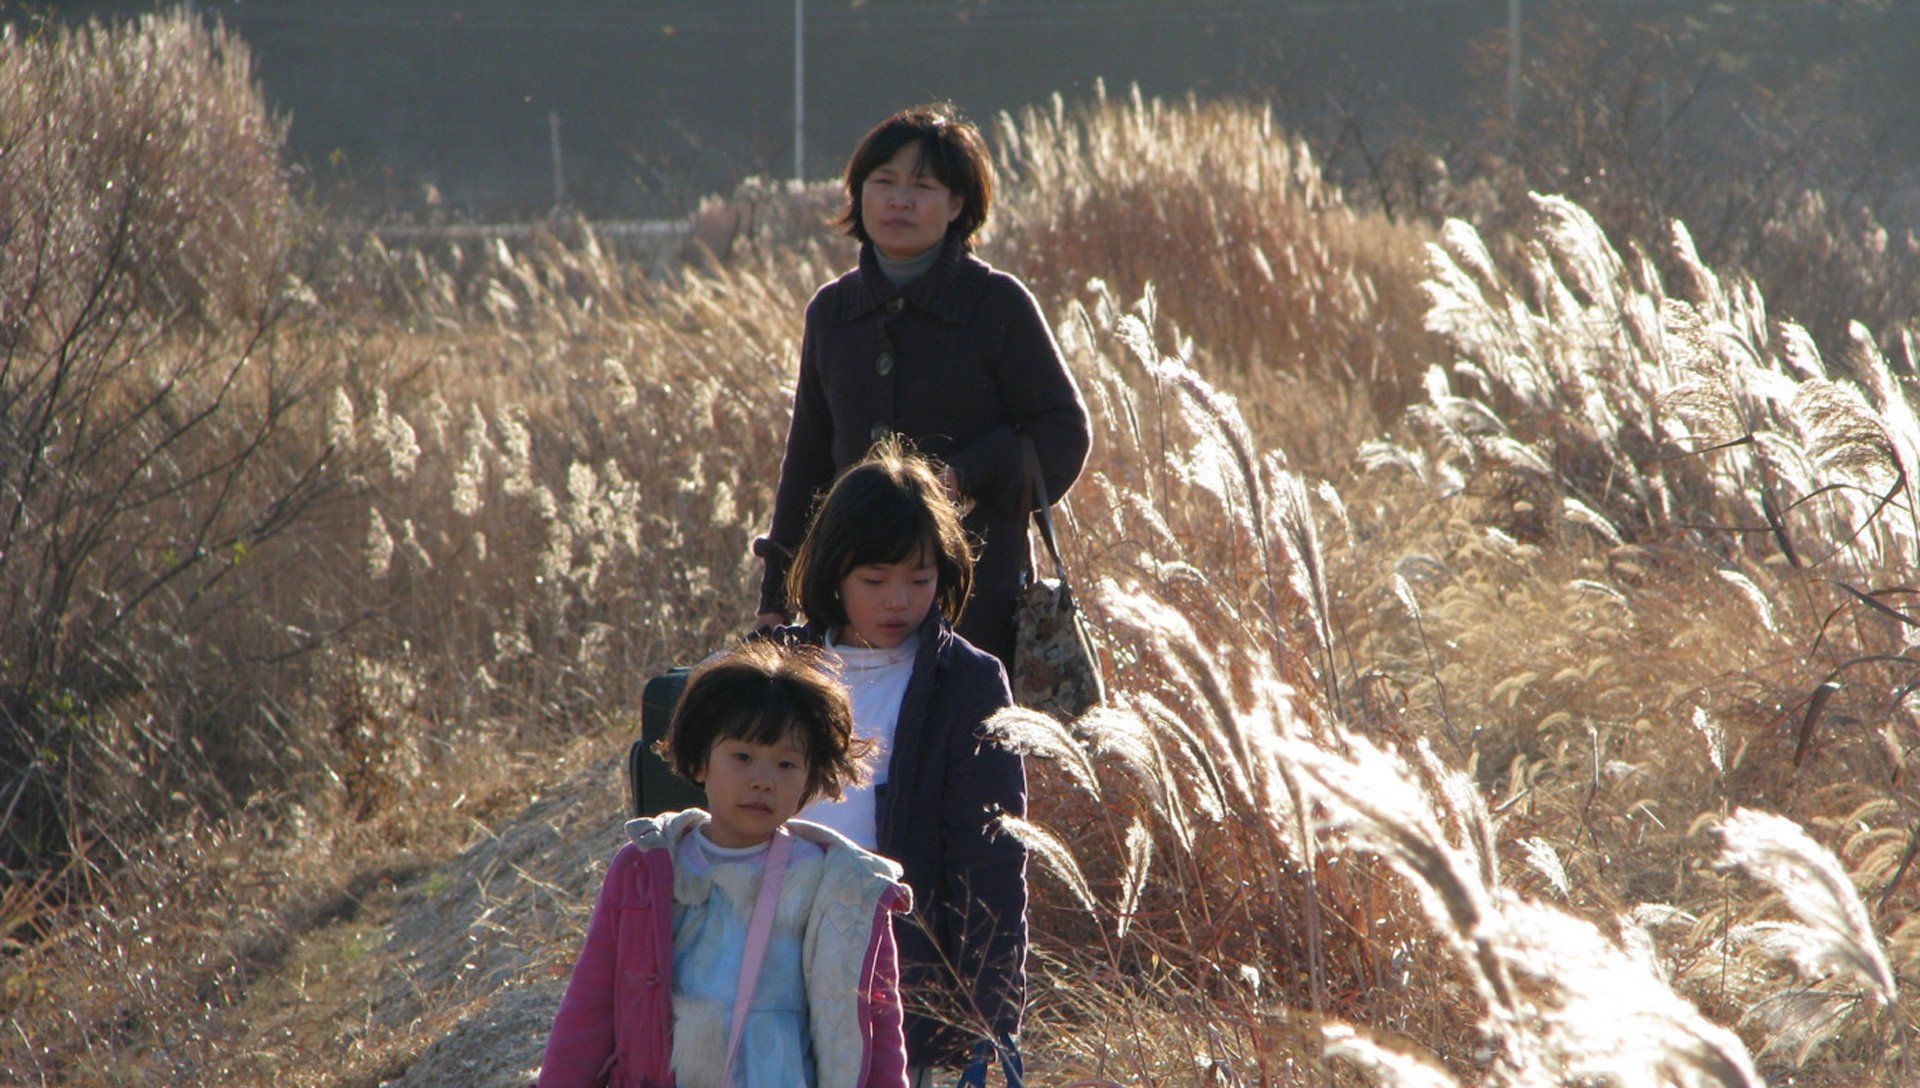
x,y
882,574
682,927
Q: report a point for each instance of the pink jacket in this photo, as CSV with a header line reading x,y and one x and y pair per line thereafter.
x,y
615,1024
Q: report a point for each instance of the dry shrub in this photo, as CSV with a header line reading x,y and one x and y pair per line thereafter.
x,y
1248,249
1610,571
159,440
1700,526
1832,265
142,146
239,948
1186,818
204,913
1644,412
518,442
1202,925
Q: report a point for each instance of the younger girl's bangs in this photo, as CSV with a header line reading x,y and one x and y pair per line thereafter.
x,y
762,693
776,716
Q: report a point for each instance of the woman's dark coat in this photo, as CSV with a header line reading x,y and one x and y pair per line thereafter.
x,y
961,362
945,785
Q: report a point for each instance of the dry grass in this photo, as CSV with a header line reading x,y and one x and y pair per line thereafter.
x,y
1461,615
1667,669
1211,203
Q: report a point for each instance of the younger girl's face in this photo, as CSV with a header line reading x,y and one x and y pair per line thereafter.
x,y
753,788
886,602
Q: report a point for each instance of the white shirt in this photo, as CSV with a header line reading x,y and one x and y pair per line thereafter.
x,y
877,682
706,853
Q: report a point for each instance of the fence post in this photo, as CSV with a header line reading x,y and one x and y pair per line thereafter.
x,y
559,174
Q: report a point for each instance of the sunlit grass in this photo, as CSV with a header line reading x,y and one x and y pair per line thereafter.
x,y
1460,615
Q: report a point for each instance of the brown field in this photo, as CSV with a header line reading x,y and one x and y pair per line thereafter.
x,y
1511,637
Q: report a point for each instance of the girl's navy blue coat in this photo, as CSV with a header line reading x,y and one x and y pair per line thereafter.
x,y
945,785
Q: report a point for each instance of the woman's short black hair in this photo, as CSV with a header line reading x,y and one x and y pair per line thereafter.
x,y
951,149
888,508
760,693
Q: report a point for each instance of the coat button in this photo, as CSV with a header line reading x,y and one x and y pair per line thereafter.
x,y
883,366
879,431
896,304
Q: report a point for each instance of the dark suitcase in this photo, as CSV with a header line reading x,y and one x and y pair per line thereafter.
x,y
651,784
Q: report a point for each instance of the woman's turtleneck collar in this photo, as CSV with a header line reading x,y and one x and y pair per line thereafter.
x,y
901,273
938,290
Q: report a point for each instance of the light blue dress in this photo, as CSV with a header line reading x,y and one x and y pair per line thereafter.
x,y
709,941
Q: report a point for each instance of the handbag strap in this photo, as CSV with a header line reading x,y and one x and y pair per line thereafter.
x,y
984,1051
1033,493
759,931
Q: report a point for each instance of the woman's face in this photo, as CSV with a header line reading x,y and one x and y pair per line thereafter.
x,y
904,208
885,602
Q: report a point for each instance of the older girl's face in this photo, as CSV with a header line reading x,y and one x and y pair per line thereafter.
x,y
905,208
885,602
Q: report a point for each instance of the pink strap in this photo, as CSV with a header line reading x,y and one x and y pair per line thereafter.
x,y
758,932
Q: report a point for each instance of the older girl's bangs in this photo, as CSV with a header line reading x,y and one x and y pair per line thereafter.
x,y
897,532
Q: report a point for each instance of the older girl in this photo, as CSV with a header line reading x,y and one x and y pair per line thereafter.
x,y
883,572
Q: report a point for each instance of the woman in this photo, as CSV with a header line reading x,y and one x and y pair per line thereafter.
x,y
926,341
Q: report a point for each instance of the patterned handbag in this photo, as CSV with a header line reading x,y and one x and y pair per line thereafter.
x,y
1055,670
